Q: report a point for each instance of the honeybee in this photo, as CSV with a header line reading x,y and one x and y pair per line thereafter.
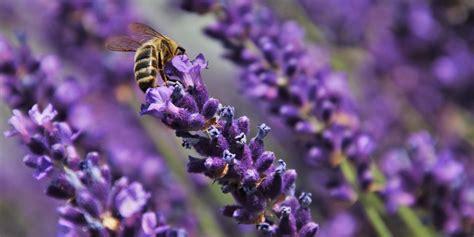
x,y
153,51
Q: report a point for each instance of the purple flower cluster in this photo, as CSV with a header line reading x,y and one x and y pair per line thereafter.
x,y
406,60
26,80
422,177
419,50
297,84
425,49
96,204
262,186
77,32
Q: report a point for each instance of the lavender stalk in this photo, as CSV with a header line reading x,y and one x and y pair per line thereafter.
x,y
261,185
96,204
27,79
299,86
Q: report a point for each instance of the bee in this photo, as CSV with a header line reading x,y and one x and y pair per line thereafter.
x,y
153,51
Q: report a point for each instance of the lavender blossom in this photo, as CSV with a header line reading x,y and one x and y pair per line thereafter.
x,y
419,176
412,48
97,205
26,79
437,55
296,83
262,186
77,32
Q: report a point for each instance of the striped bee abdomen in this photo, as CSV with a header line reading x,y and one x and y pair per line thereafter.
x,y
146,67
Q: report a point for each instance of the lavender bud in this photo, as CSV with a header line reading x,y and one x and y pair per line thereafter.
x,y
72,214
31,161
249,181
38,144
264,227
272,186
309,230
327,110
60,189
227,112
58,152
265,161
85,165
210,108
43,168
281,167
289,178
86,201
305,199
213,132
93,157
228,157
244,215
263,130
241,139
243,124
214,164
285,212
196,165
287,225
178,91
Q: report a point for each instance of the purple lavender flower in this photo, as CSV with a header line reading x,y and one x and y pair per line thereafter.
x,y
296,83
263,190
77,32
97,204
25,79
96,115
422,177
415,49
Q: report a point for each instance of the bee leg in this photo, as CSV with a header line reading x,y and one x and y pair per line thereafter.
x,y
180,50
163,76
160,67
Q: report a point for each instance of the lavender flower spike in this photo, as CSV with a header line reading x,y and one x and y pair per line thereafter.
x,y
262,189
96,205
295,81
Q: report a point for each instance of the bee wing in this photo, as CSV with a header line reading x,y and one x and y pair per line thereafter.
x,y
122,43
144,32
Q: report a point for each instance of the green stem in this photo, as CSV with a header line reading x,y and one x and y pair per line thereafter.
x,y
376,220
373,207
413,223
371,211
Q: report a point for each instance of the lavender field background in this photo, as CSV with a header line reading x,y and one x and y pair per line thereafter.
x,y
368,103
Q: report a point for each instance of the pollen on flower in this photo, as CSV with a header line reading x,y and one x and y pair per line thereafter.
x,y
110,222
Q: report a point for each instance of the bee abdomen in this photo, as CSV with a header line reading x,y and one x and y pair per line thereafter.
x,y
145,67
